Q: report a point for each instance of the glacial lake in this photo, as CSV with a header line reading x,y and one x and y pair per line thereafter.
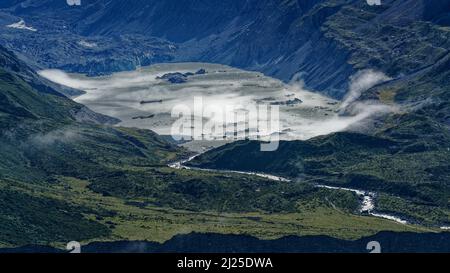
x,y
144,99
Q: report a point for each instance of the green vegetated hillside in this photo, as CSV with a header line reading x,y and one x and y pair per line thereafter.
x,y
67,174
415,174
405,155
66,177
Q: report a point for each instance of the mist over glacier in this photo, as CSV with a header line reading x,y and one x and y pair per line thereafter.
x,y
122,95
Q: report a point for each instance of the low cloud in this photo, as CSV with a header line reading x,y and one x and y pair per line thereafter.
x,y
360,82
48,139
121,95
351,113
374,2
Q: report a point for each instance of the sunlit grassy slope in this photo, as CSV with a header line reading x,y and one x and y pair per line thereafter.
x,y
111,218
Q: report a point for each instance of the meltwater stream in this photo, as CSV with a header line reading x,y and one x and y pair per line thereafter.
x,y
180,165
367,203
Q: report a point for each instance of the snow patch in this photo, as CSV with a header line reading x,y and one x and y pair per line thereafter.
x,y
21,25
87,44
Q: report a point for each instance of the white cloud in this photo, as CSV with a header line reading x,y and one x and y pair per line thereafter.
x,y
374,2
120,95
360,82
21,25
50,138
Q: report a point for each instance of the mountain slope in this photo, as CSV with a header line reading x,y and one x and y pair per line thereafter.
x,y
65,174
325,40
405,157
41,138
64,179
52,134
416,175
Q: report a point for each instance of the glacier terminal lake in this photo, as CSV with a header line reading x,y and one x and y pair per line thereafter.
x,y
145,99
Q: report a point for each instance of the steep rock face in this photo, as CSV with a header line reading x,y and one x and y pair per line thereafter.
x,y
324,41
315,38
178,21
9,3
279,40
39,100
56,43
404,12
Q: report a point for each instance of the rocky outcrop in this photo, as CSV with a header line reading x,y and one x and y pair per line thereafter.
x,y
177,77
